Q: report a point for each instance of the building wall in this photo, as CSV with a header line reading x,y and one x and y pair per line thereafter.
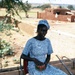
x,y
47,15
73,18
50,14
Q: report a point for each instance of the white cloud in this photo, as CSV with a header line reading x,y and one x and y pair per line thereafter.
x,y
63,1
52,1
37,1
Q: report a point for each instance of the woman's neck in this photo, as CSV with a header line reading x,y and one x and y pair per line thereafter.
x,y
39,37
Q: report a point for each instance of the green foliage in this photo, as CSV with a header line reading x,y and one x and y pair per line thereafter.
x,y
12,6
70,7
5,48
4,27
16,61
60,6
25,6
45,6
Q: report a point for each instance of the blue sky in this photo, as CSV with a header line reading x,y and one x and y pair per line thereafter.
x,y
52,1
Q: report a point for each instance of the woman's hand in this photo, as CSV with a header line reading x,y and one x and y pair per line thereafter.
x,y
39,65
40,68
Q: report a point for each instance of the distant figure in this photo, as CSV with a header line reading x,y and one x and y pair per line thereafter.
x,y
39,49
56,15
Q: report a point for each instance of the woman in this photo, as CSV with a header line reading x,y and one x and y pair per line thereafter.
x,y
39,48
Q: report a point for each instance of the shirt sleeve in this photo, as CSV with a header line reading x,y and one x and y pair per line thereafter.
x,y
50,49
27,48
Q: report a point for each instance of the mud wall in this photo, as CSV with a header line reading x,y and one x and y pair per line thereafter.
x,y
47,15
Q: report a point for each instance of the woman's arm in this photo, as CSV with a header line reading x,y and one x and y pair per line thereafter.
x,y
27,57
47,59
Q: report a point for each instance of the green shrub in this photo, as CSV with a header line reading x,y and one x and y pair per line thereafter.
x,y
4,27
16,61
5,48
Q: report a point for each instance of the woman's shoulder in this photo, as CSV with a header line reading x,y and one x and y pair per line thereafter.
x,y
47,39
30,40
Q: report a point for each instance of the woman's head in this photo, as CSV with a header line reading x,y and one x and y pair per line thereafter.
x,y
42,27
44,22
42,30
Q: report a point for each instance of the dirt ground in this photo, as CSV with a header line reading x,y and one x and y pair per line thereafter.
x,y
61,34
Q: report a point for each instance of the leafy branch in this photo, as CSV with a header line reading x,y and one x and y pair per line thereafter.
x,y
5,48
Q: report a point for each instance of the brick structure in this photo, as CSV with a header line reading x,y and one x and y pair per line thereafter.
x,y
57,14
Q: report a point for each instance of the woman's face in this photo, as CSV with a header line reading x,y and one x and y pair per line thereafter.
x,y
42,31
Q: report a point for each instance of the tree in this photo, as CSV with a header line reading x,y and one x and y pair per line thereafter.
x,y
13,5
45,6
60,6
26,7
70,7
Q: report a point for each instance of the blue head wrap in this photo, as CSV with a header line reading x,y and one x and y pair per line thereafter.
x,y
44,22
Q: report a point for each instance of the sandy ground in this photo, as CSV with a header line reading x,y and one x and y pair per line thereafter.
x,y
61,34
